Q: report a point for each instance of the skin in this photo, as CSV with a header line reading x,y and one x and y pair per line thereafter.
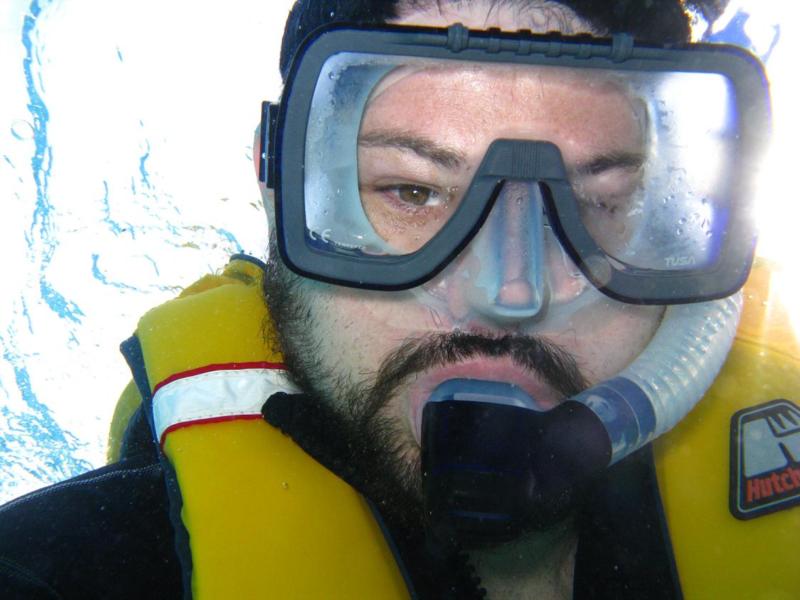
x,y
352,334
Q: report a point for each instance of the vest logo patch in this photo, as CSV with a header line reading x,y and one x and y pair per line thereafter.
x,y
765,459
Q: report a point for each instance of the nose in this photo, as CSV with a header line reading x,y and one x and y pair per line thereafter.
x,y
509,283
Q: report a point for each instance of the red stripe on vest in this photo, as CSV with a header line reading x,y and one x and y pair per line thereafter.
x,y
221,367
207,421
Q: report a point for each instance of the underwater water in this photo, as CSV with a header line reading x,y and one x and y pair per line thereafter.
x,y
126,173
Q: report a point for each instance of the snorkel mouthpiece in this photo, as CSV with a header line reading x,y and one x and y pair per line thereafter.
x,y
493,467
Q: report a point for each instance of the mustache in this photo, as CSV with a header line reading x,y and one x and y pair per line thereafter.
x,y
556,366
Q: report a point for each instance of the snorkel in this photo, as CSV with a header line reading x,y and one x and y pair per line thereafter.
x,y
494,468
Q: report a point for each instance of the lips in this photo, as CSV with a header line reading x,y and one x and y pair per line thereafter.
x,y
503,370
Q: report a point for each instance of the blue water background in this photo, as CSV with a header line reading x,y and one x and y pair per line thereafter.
x,y
125,173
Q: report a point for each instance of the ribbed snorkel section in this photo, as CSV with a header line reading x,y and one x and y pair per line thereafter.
x,y
670,376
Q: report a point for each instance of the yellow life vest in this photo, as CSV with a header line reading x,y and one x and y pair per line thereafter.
x,y
727,545
264,516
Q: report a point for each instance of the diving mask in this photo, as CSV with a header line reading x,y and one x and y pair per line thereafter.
x,y
646,169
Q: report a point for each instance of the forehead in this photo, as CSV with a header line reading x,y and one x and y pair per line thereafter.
x,y
482,78
468,105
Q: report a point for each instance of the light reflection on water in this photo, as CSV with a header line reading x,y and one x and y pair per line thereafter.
x,y
126,172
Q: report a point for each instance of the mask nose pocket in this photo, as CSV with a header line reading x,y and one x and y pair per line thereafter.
x,y
508,281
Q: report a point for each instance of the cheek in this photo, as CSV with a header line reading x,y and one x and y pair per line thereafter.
x,y
357,329
604,344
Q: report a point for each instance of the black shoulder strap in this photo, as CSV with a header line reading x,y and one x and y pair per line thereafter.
x,y
624,549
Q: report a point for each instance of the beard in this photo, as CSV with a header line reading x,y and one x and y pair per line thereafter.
x,y
350,418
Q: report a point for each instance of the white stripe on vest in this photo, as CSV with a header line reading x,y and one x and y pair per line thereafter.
x,y
215,393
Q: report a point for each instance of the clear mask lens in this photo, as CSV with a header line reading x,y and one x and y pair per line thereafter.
x,y
392,145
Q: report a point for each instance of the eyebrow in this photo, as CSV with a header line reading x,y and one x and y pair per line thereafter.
x,y
453,159
444,157
611,160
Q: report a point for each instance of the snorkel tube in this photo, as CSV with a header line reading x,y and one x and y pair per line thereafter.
x,y
493,469
670,376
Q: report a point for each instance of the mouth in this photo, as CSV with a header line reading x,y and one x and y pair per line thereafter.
x,y
503,370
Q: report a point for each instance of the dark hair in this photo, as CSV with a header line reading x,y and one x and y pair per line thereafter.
x,y
653,21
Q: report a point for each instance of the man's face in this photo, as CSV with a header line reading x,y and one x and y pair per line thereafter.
x,y
375,357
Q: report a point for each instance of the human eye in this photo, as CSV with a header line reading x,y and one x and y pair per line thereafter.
x,y
598,204
407,214
608,192
411,195
608,189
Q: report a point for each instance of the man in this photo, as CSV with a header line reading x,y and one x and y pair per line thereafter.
x,y
472,252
